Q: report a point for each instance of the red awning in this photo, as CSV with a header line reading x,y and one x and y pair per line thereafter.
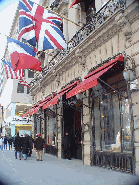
x,y
91,79
59,94
75,2
117,59
46,100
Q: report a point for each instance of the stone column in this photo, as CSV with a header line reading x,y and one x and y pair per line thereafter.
x,y
65,25
135,107
86,121
74,16
98,5
59,124
43,125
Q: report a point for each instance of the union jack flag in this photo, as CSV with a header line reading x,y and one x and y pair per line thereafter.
x,y
39,27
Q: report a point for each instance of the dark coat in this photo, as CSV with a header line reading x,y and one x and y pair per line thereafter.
x,y
17,143
10,140
67,143
39,143
5,140
25,145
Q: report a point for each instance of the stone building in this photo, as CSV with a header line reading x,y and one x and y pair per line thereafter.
x,y
90,89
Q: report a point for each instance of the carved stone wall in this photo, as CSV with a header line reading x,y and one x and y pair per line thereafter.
x,y
119,33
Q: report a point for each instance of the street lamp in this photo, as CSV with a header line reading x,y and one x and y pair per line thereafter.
x,y
130,75
129,69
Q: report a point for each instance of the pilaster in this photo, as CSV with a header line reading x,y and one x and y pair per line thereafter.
x,y
59,122
86,122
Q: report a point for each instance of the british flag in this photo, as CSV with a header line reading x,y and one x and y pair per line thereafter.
x,y
40,27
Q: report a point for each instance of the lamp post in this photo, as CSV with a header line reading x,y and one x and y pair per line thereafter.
x,y
130,75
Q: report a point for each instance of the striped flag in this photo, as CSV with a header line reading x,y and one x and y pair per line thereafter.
x,y
22,56
10,73
24,83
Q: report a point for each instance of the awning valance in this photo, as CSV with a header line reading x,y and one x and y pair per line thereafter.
x,y
91,79
117,59
59,94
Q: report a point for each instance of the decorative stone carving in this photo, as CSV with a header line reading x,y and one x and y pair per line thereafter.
x,y
65,12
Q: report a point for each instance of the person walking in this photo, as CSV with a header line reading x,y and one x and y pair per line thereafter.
x,y
5,143
18,146
10,140
39,147
67,146
26,146
1,146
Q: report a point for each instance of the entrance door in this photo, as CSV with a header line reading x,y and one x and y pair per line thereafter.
x,y
72,125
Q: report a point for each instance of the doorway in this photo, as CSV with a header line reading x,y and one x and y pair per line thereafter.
x,y
72,125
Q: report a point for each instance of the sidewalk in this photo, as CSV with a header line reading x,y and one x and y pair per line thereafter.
x,y
54,171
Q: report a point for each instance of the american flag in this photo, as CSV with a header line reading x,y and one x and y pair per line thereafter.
x,y
10,73
35,22
24,83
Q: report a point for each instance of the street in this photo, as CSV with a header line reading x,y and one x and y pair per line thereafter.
x,y
54,171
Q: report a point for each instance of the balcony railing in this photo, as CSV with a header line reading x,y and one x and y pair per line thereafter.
x,y
96,21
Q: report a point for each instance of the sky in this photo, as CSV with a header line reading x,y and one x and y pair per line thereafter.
x,y
7,13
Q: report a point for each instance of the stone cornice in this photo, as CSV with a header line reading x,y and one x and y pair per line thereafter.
x,y
81,51
95,39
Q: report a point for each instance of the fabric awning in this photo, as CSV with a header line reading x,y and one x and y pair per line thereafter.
x,y
75,2
91,79
59,94
117,59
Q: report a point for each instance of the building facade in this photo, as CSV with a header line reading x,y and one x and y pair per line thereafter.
x,y
15,98
91,89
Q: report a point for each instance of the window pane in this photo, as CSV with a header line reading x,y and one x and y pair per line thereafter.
x,y
20,88
30,74
126,130
28,90
23,72
51,128
97,123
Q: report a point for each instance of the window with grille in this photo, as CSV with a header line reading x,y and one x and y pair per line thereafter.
x,y
20,88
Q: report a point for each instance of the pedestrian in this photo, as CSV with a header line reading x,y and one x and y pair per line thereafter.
x,y
35,139
26,146
1,146
39,147
18,146
44,147
22,145
5,142
2,142
10,140
67,146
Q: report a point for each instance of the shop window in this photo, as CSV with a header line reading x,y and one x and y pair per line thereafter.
x,y
20,88
28,90
111,116
30,74
51,128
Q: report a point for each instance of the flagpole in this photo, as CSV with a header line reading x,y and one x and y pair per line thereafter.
x,y
58,14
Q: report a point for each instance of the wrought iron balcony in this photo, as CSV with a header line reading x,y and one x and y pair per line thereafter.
x,y
96,21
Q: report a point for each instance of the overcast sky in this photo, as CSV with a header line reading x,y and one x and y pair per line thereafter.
x,y
7,13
